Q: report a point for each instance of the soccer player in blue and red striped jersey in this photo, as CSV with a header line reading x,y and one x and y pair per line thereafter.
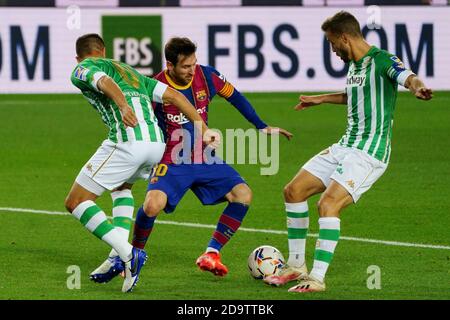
x,y
211,183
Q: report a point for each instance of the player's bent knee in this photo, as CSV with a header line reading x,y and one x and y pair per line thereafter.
x,y
246,197
68,205
291,194
242,194
328,206
71,203
288,193
153,205
152,209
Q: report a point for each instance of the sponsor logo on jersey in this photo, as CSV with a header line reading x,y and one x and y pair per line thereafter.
x,y
201,95
177,118
356,80
80,73
181,118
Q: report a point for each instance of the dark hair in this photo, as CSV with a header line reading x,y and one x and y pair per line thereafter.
x,y
342,22
178,46
88,43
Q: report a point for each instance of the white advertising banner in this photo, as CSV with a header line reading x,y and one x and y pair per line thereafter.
x,y
257,49
87,3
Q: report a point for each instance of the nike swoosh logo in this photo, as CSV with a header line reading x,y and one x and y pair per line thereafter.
x,y
133,268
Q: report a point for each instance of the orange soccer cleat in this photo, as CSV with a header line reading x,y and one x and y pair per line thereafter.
x,y
210,261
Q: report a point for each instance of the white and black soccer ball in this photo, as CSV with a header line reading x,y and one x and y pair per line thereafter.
x,y
265,261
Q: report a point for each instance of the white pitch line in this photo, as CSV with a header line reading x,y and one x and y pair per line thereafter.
x,y
59,213
210,226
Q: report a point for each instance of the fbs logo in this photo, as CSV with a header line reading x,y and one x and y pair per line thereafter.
x,y
135,40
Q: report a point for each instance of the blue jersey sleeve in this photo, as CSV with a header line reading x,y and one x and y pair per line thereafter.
x,y
223,88
246,109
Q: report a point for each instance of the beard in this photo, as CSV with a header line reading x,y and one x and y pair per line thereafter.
x,y
182,81
344,56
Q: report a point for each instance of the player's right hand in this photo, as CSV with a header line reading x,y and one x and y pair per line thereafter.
x,y
424,93
307,101
211,138
129,117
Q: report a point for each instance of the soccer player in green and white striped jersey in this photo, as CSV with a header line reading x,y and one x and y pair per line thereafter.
x,y
135,143
347,169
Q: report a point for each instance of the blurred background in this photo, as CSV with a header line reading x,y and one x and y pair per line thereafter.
x,y
259,45
211,3
272,50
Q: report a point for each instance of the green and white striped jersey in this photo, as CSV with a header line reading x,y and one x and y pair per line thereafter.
x,y
139,92
372,84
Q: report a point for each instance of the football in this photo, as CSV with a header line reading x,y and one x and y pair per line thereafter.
x,y
265,261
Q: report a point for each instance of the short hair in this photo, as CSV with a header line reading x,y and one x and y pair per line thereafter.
x,y
178,46
88,43
342,22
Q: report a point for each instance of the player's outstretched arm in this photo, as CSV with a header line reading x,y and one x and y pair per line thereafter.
x,y
274,130
240,102
112,91
173,97
309,101
418,88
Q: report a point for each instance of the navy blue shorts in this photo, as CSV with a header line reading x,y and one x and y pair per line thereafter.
x,y
209,182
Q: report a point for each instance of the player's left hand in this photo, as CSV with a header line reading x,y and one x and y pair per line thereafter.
x,y
129,117
274,130
424,93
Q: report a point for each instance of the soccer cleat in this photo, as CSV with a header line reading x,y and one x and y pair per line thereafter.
x,y
287,274
110,268
308,284
210,261
133,268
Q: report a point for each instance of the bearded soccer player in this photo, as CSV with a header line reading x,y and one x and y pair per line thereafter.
x,y
211,183
347,169
135,144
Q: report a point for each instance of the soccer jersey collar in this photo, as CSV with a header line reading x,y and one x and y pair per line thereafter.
x,y
173,84
371,51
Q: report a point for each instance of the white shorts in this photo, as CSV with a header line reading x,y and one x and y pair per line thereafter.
x,y
114,164
353,169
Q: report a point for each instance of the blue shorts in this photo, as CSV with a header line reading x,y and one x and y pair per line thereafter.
x,y
209,182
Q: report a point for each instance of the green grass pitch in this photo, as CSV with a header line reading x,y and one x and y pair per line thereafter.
x,y
45,139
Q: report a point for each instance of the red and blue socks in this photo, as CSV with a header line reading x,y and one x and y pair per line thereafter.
x,y
142,228
229,223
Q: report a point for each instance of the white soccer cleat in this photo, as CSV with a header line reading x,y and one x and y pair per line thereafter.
x,y
287,274
308,284
133,268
